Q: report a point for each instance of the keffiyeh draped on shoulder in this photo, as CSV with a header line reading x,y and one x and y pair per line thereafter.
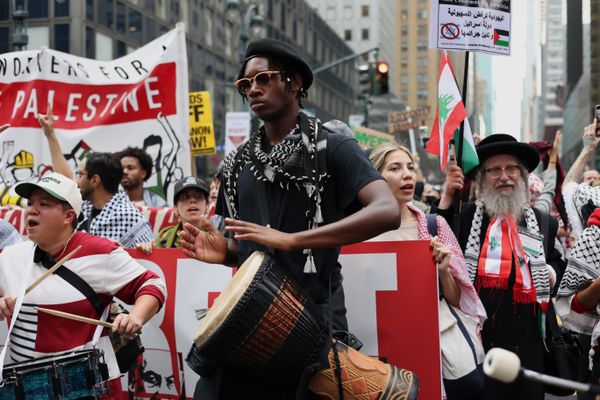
x,y
300,161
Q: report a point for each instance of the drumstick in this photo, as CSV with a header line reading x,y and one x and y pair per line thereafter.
x,y
75,317
51,270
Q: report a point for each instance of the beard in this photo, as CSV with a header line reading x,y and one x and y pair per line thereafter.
x,y
497,203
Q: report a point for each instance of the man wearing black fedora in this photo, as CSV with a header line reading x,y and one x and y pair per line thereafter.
x,y
513,268
295,188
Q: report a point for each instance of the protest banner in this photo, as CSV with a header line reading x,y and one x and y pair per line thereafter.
x,y
202,132
471,25
158,218
138,100
382,280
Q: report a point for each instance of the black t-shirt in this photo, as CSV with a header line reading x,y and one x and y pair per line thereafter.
x,y
349,170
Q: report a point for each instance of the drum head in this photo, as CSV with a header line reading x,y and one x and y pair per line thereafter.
x,y
230,296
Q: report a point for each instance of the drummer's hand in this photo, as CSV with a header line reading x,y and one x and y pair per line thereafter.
x,y
127,324
205,244
264,235
7,305
145,248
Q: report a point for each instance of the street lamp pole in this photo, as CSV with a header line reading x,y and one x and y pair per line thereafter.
x,y
19,38
251,23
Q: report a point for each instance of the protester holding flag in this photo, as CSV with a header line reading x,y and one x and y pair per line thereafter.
x,y
508,261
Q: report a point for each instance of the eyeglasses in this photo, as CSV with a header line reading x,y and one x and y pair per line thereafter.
x,y
496,172
262,79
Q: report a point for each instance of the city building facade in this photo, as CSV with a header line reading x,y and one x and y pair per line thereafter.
x,y
107,29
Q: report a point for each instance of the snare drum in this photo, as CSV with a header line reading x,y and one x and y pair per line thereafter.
x,y
65,377
263,323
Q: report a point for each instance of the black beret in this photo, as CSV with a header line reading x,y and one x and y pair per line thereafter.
x,y
279,51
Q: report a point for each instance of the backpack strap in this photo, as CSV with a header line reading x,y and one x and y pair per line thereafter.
x,y
432,227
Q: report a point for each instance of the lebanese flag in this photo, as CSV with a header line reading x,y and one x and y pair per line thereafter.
x,y
449,114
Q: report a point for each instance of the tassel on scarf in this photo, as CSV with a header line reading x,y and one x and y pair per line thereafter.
x,y
309,265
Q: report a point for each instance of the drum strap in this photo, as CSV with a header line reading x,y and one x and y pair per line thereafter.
x,y
71,277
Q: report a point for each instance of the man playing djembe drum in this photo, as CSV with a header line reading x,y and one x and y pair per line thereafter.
x,y
295,187
54,203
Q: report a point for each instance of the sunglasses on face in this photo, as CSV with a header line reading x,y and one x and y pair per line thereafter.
x,y
261,79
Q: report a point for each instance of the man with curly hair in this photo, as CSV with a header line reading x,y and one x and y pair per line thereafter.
x,y
137,169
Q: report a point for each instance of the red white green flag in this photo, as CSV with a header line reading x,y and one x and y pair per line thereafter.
x,y
449,114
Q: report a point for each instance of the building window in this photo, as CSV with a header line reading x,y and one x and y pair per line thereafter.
x,y
422,78
208,34
120,17
330,13
89,10
89,42
422,94
135,25
348,34
61,37
121,49
365,34
105,13
38,36
104,47
150,30
422,46
4,40
3,11
37,8
404,79
404,46
61,8
423,14
422,61
364,11
348,14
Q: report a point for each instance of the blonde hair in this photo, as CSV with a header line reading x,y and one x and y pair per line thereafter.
x,y
379,153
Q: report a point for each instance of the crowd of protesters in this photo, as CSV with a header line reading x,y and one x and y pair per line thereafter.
x,y
514,236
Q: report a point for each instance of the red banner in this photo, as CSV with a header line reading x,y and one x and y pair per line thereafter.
x,y
391,295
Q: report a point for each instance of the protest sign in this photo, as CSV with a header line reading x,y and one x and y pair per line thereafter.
x,y
471,25
202,132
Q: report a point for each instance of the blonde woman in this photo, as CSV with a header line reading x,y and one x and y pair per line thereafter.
x,y
396,165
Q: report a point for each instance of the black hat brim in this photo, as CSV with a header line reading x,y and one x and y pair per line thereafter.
x,y
526,153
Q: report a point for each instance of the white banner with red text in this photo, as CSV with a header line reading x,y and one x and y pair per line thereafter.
x,y
138,100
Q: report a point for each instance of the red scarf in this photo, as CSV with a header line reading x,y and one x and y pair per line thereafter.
x,y
502,245
594,218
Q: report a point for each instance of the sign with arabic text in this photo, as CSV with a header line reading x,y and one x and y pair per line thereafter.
x,y
471,25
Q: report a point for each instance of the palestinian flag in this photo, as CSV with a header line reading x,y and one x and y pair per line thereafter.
x,y
501,38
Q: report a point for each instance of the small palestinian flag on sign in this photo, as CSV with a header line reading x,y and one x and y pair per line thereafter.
x,y
501,37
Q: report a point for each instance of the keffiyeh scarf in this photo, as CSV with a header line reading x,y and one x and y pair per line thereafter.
x,y
299,161
492,263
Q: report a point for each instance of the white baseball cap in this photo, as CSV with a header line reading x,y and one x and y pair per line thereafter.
x,y
57,185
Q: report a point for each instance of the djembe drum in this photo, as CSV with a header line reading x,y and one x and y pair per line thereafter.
x,y
264,324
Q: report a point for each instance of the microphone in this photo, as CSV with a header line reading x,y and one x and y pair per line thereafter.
x,y
505,366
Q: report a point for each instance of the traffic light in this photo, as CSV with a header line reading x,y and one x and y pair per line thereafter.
x,y
365,79
381,80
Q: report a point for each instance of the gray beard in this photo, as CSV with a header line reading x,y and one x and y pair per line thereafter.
x,y
497,203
